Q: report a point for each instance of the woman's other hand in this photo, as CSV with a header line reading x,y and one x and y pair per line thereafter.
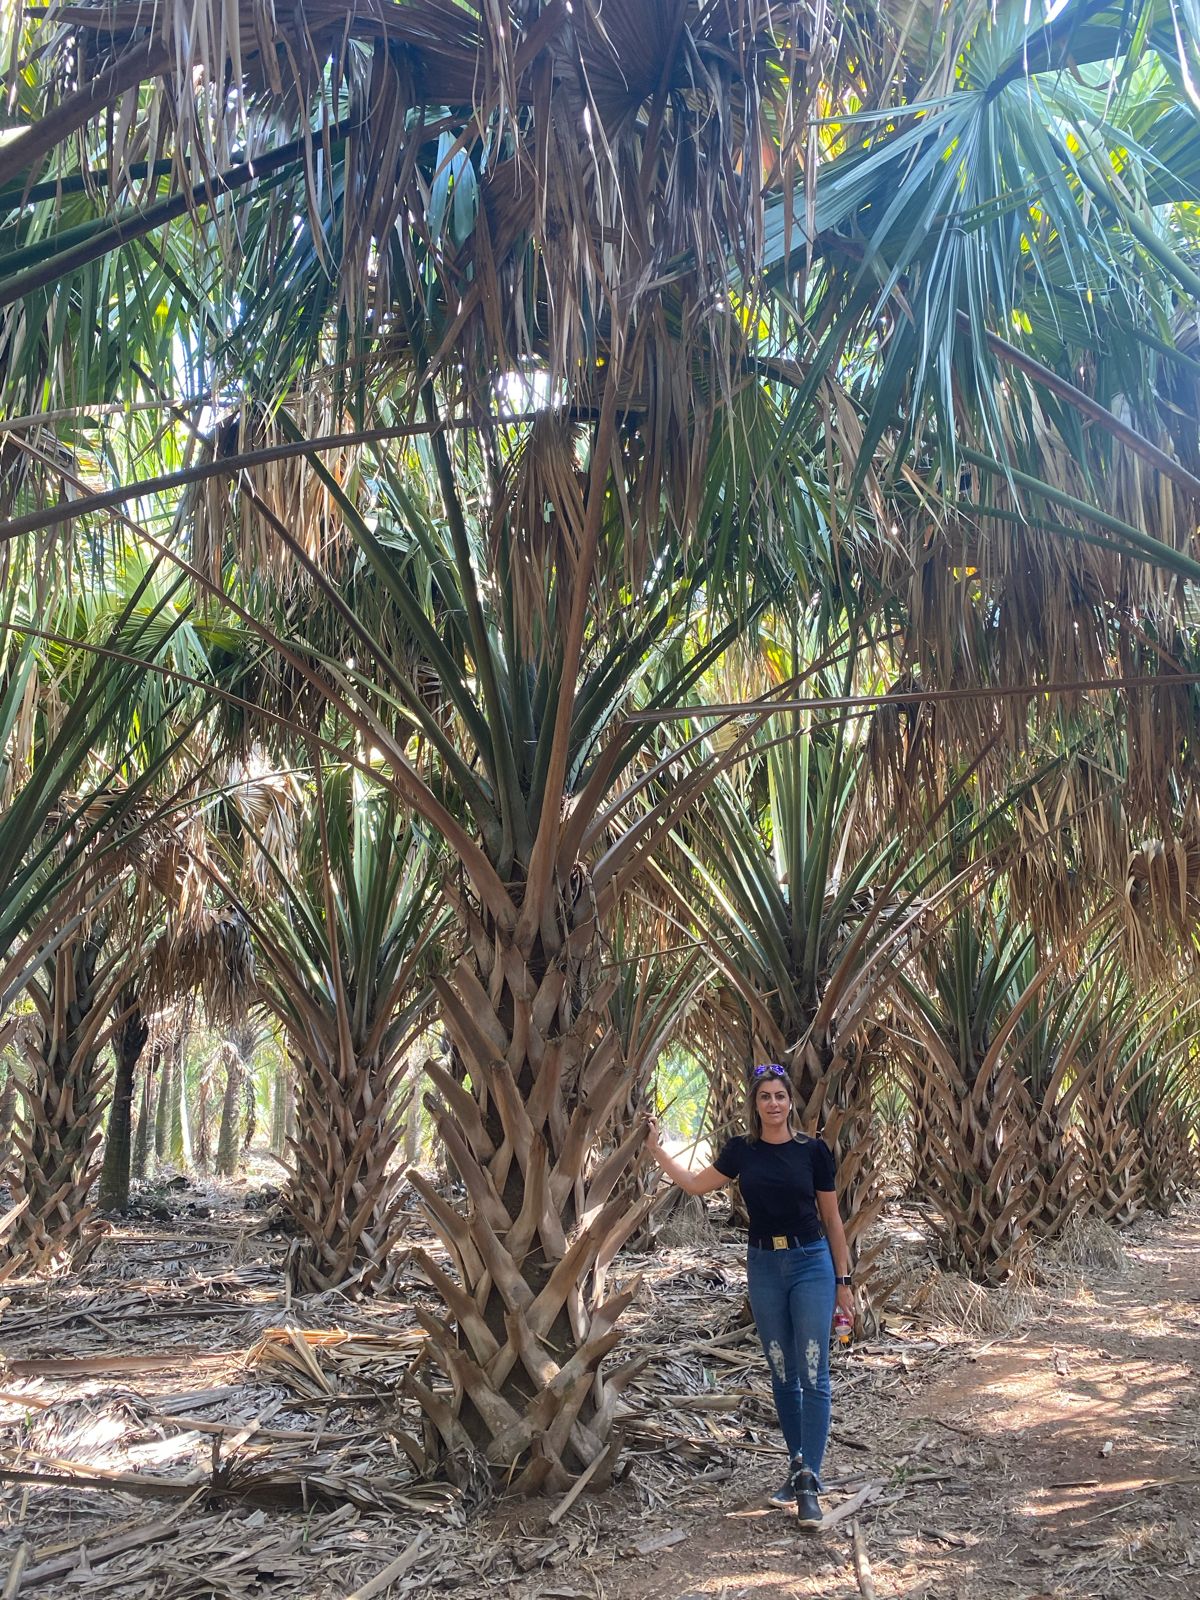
x,y
845,1299
652,1144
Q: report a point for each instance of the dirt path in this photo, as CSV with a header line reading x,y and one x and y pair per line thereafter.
x,y
1063,1460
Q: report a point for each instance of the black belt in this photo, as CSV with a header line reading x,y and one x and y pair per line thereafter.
x,y
779,1241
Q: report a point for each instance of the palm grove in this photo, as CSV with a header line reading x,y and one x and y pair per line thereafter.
x,y
541,534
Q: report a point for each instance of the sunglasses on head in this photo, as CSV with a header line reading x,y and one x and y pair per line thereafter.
x,y
769,1069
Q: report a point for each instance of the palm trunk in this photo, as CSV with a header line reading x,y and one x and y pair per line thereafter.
x,y
162,1111
1169,1169
145,1120
8,1113
531,1319
56,1150
229,1141
128,1044
922,1169
412,1135
894,1129
178,1129
345,1191
249,1111
726,1117
1115,1161
289,1105
279,1108
202,1142
1057,1188
726,1114
979,1165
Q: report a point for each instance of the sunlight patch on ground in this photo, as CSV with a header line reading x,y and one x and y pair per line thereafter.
x,y
1089,1497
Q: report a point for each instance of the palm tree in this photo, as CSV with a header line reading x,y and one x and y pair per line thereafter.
x,y
57,1141
1021,1062
528,594
238,1052
1132,1093
347,933
84,848
1021,254
970,1099
99,761
1163,1108
130,1035
1049,1053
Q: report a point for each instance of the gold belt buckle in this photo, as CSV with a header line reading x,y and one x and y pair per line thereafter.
x,y
779,1241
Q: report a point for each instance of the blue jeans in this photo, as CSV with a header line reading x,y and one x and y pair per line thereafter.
x,y
792,1295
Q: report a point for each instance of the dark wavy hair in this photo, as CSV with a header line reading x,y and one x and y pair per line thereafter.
x,y
754,1084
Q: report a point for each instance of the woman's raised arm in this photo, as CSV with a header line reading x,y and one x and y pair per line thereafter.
x,y
702,1182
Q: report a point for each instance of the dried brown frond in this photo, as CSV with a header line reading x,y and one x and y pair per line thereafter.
x,y
210,955
1084,1242
610,168
268,806
540,507
906,759
949,1299
1162,901
1069,843
271,518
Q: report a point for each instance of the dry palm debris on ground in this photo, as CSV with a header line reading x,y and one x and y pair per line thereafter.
x,y
173,1426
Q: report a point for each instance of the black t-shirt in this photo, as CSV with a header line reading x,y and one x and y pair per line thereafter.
x,y
780,1183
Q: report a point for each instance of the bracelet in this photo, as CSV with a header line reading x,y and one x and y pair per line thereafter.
x,y
846,1281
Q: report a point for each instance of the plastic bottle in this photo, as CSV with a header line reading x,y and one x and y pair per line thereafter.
x,y
843,1326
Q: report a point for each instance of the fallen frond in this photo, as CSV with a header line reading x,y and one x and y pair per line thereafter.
x,y
949,1299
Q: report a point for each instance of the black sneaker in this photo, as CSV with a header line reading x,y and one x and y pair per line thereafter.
x,y
808,1507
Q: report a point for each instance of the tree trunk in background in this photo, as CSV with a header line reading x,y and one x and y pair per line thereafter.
x,y
229,1139
921,1093
893,1127
249,1109
1058,1190
128,1043
1169,1168
162,1112
278,1110
289,1106
8,1113
981,1189
145,1121
55,1152
1114,1161
178,1140
725,1116
412,1133
202,1143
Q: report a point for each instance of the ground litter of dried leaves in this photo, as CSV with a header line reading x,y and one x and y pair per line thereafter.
x,y
173,1426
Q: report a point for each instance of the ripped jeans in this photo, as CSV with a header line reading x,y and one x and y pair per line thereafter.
x,y
792,1296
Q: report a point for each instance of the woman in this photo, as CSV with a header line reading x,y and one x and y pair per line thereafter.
x,y
797,1264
